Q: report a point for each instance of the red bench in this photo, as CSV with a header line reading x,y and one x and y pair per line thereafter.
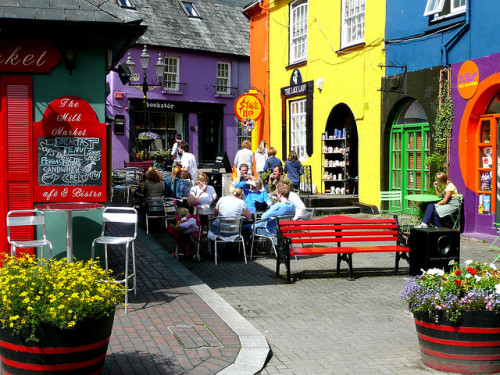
x,y
140,164
337,233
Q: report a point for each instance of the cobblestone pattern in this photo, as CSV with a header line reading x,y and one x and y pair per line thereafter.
x,y
323,323
168,328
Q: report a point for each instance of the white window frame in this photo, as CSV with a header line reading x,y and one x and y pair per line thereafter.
x,y
433,7
223,86
298,31
353,22
298,134
458,9
192,12
171,79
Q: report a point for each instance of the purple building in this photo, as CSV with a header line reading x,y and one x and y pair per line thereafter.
x,y
205,50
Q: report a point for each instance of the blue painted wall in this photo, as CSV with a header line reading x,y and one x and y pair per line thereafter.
x,y
405,20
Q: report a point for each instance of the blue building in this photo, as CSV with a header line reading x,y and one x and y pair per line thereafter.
x,y
427,44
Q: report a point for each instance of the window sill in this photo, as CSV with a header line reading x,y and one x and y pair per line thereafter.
x,y
227,96
166,92
296,65
444,22
351,48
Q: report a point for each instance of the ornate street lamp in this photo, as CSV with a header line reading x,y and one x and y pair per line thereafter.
x,y
145,58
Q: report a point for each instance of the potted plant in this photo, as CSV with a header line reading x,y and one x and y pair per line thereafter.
x,y
457,316
144,140
55,315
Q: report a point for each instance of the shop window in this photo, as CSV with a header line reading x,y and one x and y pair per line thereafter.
x,y
223,78
190,9
243,135
298,128
171,75
353,22
485,171
444,8
494,106
410,148
298,32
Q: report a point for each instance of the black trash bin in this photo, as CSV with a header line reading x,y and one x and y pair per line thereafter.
x,y
215,180
433,248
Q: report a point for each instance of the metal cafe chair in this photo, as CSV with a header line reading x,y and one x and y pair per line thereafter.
x,y
229,231
155,209
267,235
391,196
125,217
120,183
25,218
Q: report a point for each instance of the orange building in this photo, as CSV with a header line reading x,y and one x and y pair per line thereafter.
x,y
258,13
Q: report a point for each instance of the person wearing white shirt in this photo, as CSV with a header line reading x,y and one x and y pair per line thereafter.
x,y
175,152
202,195
300,207
244,156
188,161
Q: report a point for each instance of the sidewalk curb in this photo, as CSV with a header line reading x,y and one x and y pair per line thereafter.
x,y
254,347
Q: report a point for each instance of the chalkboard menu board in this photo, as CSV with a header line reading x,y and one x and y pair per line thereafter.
x,y
69,153
69,161
222,161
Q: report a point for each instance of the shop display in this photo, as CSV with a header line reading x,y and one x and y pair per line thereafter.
x,y
334,162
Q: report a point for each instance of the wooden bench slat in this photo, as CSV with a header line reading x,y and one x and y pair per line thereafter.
x,y
299,226
344,239
342,234
346,250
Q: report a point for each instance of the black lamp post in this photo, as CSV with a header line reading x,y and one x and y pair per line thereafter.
x,y
160,66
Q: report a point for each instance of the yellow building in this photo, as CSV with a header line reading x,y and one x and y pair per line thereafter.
x,y
326,62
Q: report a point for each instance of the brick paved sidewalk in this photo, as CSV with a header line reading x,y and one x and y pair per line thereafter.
x,y
169,329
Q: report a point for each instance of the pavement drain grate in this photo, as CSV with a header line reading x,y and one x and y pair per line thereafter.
x,y
196,336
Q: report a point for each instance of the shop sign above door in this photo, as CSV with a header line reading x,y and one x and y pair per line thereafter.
x,y
28,56
468,79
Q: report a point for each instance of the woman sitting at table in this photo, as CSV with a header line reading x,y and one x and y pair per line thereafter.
x,y
230,206
174,184
254,194
188,182
446,206
153,186
202,195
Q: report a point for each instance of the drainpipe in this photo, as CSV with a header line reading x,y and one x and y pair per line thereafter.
x,y
456,37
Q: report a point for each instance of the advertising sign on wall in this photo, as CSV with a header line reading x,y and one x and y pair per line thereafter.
x,y
69,152
468,79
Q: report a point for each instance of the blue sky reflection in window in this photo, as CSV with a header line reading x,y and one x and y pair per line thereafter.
x,y
190,9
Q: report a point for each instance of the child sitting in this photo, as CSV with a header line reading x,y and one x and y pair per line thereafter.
x,y
185,232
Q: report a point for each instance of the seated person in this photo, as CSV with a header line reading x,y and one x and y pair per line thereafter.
x,y
244,176
153,186
159,163
188,182
300,207
174,184
446,206
275,178
230,206
268,224
202,195
253,193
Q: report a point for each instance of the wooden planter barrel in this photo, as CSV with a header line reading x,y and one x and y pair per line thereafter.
x,y
80,350
470,346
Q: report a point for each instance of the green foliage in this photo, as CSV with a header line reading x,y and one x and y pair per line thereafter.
x,y
442,131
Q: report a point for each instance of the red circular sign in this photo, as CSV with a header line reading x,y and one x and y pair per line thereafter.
x,y
248,106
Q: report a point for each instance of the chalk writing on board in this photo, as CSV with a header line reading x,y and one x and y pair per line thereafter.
x,y
69,161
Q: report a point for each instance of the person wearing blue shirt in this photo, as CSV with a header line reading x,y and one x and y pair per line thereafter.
x,y
268,223
272,160
174,184
293,169
252,188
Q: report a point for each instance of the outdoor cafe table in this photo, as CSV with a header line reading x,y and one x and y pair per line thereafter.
x,y
428,198
69,208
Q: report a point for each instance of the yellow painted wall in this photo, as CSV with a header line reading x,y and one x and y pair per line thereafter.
x,y
352,77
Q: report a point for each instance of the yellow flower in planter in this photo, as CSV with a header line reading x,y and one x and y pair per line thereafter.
x,y
34,291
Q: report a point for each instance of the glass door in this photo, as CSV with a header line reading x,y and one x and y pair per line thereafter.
x,y
485,165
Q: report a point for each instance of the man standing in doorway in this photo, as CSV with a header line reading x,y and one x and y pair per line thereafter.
x,y
188,161
175,150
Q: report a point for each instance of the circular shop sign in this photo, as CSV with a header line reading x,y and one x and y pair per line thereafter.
x,y
248,106
468,79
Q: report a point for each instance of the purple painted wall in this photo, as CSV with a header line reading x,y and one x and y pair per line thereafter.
x,y
474,223
199,73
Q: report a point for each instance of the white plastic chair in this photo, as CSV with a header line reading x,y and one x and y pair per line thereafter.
x,y
267,235
125,216
229,231
25,218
